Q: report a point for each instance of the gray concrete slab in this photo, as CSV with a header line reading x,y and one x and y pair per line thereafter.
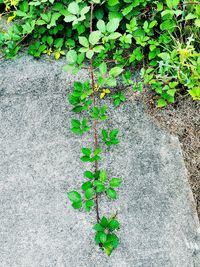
x,y
39,163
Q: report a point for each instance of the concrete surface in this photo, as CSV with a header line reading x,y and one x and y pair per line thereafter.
x,y
39,163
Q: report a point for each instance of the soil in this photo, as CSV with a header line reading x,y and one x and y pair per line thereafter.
x,y
182,119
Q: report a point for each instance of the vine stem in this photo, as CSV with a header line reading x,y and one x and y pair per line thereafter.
x,y
94,103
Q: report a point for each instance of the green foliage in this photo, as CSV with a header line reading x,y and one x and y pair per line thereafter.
x,y
88,156
118,98
163,35
79,97
75,198
105,235
99,113
79,127
97,182
110,138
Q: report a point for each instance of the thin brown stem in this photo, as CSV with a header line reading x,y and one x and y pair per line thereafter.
x,y
94,103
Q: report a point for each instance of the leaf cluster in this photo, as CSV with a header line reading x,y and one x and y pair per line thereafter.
x,y
105,236
98,183
79,97
163,35
110,138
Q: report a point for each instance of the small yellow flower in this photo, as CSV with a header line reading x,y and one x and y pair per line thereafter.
x,y
96,87
104,92
184,54
48,51
7,8
103,41
14,2
58,54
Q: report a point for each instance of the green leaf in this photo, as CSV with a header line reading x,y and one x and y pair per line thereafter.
x,y
85,159
86,186
77,205
74,196
129,8
98,48
86,151
111,193
89,204
98,227
69,18
23,6
159,6
104,134
94,37
161,103
85,10
50,40
97,182
102,237
116,71
103,176
103,68
100,188
89,174
97,151
114,35
172,3
197,22
114,133
112,25
113,225
73,8
58,43
114,182
113,2
89,193
152,24
195,93
104,221
77,109
89,54
20,13
83,41
167,25
165,56
75,123
97,238
108,248
71,57
115,241
112,82
101,26
54,18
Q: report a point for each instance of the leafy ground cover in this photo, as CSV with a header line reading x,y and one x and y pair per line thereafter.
x,y
160,37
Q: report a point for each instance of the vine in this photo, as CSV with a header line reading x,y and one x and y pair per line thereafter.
x,y
94,103
105,227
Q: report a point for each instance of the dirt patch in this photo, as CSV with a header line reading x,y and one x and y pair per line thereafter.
x,y
182,119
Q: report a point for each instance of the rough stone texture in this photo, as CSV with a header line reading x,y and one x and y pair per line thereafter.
x,y
39,163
